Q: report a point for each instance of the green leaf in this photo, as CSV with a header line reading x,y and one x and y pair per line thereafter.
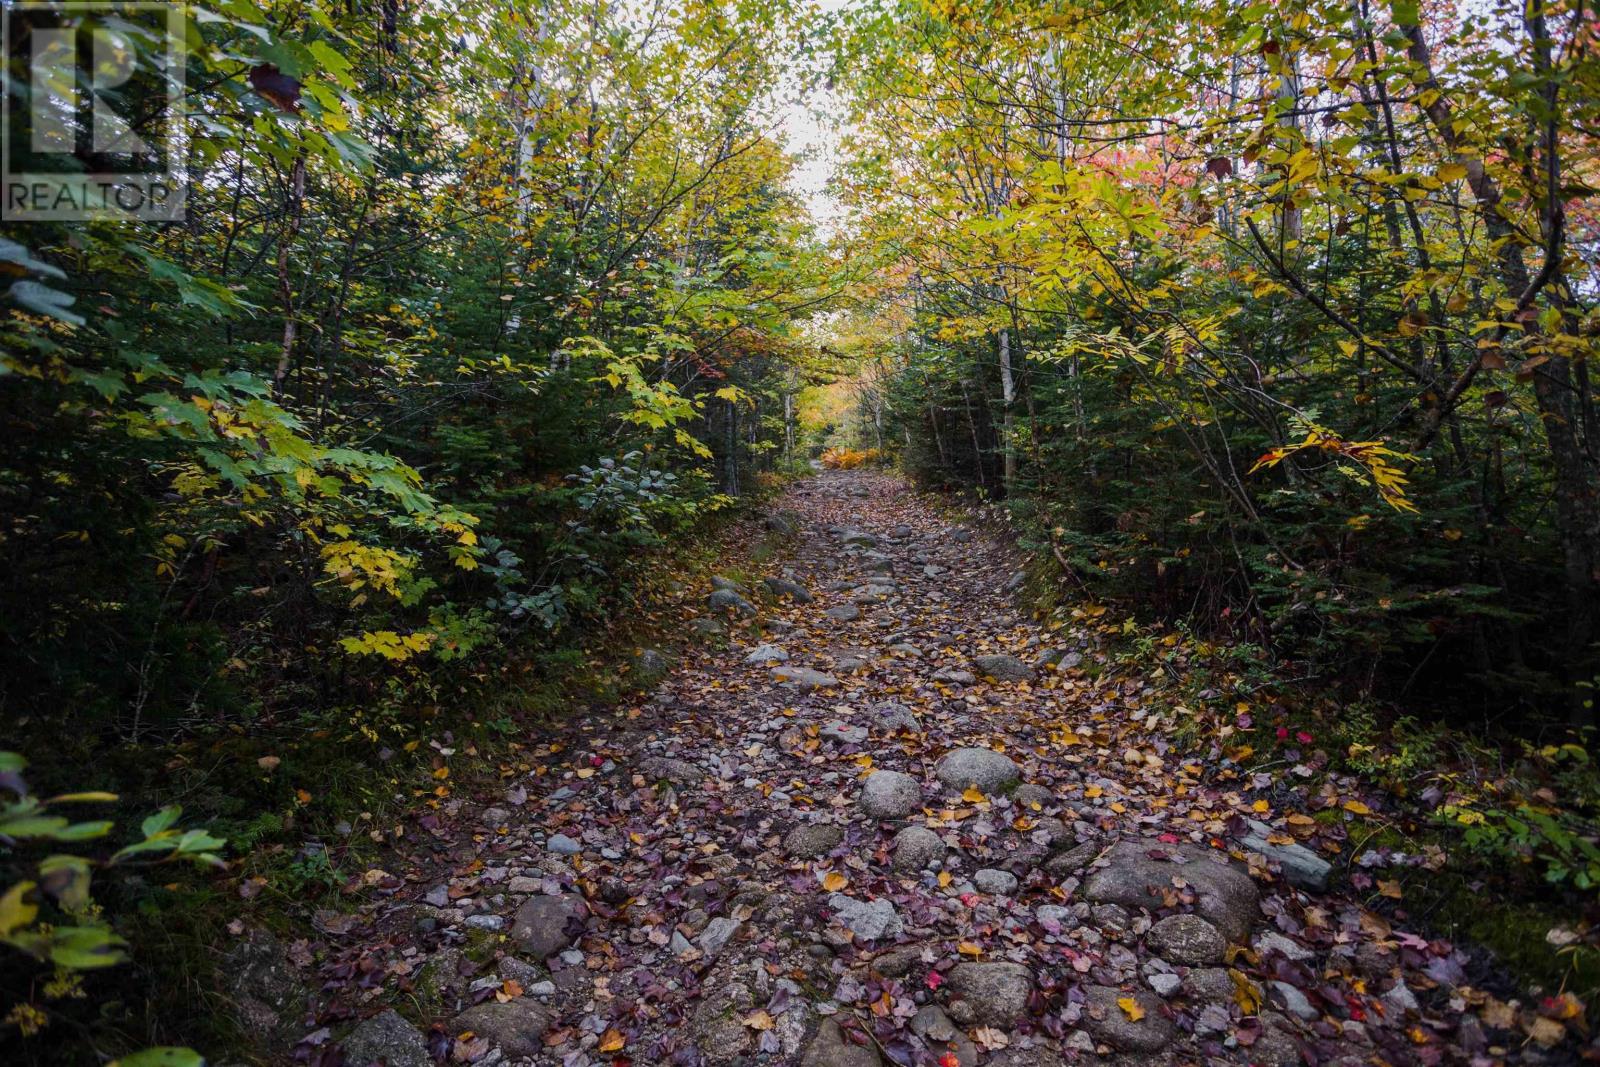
x,y
85,948
161,820
167,1056
84,831
33,826
67,879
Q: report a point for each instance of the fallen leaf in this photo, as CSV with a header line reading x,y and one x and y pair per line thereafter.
x,y
1245,992
612,1040
1130,1008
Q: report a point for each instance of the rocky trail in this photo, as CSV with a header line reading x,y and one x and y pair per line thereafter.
x,y
874,815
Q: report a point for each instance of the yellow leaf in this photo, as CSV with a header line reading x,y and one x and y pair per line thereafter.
x,y
442,773
1547,1032
1130,1008
16,913
585,772
1355,807
971,795
612,1041
1390,889
1245,992
833,881
1261,806
944,879
967,948
759,1020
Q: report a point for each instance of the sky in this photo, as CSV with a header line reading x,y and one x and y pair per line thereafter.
x,y
815,139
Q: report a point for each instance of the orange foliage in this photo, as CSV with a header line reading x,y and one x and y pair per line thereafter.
x,y
844,459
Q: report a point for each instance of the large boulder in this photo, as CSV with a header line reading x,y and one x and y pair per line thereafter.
x,y
717,1024
728,600
784,523
890,795
984,768
915,847
869,920
1003,668
1301,867
386,1039
1186,939
804,678
1140,874
648,667
994,994
830,1048
668,769
811,840
515,1027
782,587
935,1027
547,925
896,718
268,995
1145,1029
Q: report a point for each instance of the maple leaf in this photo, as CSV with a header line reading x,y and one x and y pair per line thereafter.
x,y
1130,1008
612,1040
1245,992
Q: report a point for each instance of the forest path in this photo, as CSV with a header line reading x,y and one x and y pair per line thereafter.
x,y
809,846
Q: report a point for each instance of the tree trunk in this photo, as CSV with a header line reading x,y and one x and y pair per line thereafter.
x,y
1573,461
1008,396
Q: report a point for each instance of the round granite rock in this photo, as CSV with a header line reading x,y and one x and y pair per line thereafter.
x,y
1140,874
983,768
1106,1019
890,795
1187,939
915,847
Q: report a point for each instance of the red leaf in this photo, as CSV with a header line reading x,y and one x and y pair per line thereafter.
x,y
276,86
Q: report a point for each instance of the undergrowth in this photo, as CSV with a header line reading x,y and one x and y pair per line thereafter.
x,y
311,805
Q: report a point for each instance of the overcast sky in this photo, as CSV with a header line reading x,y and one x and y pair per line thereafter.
x,y
816,141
